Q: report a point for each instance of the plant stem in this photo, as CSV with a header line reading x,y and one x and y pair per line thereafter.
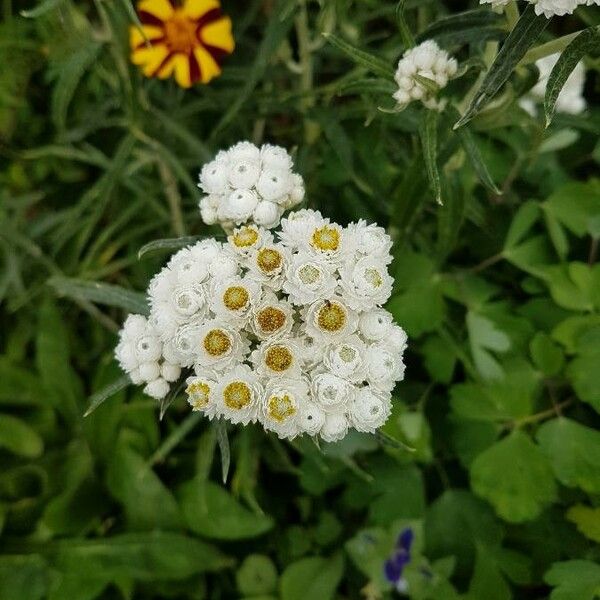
x,y
512,14
545,414
173,198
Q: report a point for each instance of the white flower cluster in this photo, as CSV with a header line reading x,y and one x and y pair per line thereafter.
x,y
548,8
429,61
287,331
247,183
570,100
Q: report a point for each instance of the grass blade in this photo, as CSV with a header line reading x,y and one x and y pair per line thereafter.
x,y
106,392
521,38
223,441
168,244
428,134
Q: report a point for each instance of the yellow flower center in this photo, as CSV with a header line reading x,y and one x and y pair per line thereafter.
x,y
331,317
278,358
268,260
373,277
199,392
309,274
326,238
217,342
236,297
279,408
245,237
347,354
180,33
237,395
270,319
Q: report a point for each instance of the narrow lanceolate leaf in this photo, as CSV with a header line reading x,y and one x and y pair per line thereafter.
x,y
101,293
408,40
521,38
223,441
471,25
106,392
168,244
586,42
428,134
360,57
42,8
476,160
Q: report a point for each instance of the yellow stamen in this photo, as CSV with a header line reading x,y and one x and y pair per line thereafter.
x,y
279,408
199,392
309,274
278,358
326,238
237,395
269,260
217,342
270,319
236,297
245,237
373,276
331,317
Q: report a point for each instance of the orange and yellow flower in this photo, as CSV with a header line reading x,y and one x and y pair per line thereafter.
x,y
187,40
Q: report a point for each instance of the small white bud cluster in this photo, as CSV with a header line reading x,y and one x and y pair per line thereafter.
x,y
287,331
140,354
429,61
548,8
570,100
247,183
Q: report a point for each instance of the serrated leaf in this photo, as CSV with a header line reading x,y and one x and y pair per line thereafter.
x,y
586,42
515,477
428,134
521,38
360,57
574,453
101,293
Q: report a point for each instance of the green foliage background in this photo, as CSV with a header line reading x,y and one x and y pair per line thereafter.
x,y
500,295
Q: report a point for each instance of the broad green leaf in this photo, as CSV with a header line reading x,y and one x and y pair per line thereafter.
x,y
256,575
487,581
101,293
18,437
440,358
587,521
484,338
368,550
212,512
147,502
428,134
361,58
515,477
546,354
586,42
574,580
521,38
574,453
23,577
570,330
312,578
575,205
571,285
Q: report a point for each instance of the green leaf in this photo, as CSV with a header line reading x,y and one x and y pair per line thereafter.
x,y
106,392
313,577
361,58
101,293
408,40
485,337
587,521
521,38
19,438
546,354
524,219
487,581
586,42
574,580
168,244
23,577
212,512
428,134
223,442
474,156
42,8
256,575
148,504
575,205
573,451
515,477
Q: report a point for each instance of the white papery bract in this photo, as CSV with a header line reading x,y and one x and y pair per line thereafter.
x,y
285,329
427,61
249,184
548,8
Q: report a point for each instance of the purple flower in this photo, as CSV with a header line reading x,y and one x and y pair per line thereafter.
x,y
394,566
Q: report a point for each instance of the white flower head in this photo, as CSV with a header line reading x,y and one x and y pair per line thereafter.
x,y
267,214
295,228
238,395
365,284
190,266
157,389
309,279
200,392
272,317
310,418
335,427
375,324
214,176
238,206
347,359
233,299
369,409
216,344
246,239
370,240
332,393
384,366
281,405
280,357
330,320
139,349
312,350
426,60
548,8
268,265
